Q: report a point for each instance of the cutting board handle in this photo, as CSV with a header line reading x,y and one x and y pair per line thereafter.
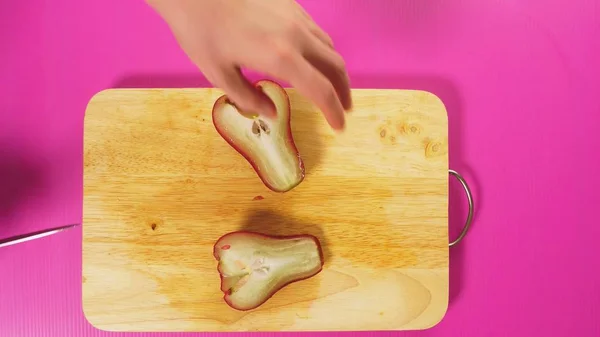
x,y
469,220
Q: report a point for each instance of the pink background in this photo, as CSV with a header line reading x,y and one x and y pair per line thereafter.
x,y
518,77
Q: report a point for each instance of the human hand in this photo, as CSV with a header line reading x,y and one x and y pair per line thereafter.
x,y
277,38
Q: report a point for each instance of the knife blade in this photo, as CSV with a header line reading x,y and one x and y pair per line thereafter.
x,y
34,235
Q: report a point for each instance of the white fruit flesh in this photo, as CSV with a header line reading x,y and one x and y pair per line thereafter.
x,y
254,267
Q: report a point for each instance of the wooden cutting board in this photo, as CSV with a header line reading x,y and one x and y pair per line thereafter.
x,y
161,186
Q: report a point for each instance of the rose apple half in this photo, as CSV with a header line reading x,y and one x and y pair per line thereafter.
x,y
254,266
266,143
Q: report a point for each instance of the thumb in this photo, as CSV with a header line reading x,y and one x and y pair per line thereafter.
x,y
244,95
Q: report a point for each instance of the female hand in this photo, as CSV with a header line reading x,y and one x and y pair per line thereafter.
x,y
277,38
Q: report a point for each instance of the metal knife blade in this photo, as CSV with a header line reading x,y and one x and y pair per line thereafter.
x,y
34,235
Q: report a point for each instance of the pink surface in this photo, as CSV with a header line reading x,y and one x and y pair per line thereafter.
x,y
519,79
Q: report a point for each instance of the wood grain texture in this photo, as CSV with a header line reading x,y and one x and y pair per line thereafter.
x,y
161,186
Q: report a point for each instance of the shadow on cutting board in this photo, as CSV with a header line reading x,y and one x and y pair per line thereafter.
x,y
309,147
21,178
450,95
272,223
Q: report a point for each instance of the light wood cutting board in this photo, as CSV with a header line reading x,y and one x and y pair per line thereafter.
x,y
161,186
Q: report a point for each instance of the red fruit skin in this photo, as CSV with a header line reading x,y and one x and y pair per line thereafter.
x,y
294,148
226,294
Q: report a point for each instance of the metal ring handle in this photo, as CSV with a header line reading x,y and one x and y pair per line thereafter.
x,y
470,200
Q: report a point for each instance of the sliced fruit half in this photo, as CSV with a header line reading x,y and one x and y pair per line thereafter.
x,y
266,143
254,266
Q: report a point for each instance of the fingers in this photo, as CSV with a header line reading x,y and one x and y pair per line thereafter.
x,y
332,65
243,94
315,86
323,57
312,84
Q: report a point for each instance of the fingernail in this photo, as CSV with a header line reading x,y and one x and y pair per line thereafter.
x,y
339,126
349,104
